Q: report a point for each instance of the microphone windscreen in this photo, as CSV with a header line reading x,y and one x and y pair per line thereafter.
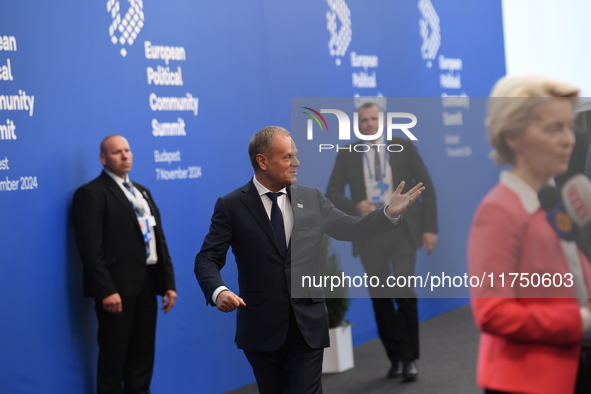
x,y
576,195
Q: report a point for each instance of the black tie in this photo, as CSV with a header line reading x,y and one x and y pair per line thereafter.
x,y
277,221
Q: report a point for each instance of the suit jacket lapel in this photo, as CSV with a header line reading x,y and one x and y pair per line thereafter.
x,y
252,202
358,178
114,188
394,167
297,207
146,197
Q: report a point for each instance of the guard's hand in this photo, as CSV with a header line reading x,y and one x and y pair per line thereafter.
x,y
364,207
400,202
113,304
168,300
228,301
429,241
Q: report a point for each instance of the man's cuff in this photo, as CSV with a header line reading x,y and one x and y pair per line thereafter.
x,y
393,220
215,294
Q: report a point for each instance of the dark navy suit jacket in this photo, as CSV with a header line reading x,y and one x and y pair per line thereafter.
x,y
110,242
264,273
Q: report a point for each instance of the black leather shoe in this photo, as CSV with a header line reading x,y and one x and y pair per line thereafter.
x,y
410,371
395,370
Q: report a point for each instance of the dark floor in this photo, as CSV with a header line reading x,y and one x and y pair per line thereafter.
x,y
448,362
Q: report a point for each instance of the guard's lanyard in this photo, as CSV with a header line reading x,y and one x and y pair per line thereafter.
x,y
384,161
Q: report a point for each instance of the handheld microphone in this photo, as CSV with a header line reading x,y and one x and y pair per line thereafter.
x,y
559,218
576,195
556,214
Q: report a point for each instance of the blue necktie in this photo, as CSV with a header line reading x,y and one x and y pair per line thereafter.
x,y
378,167
379,176
139,214
277,221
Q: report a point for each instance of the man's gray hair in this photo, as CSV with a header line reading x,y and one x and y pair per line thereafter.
x,y
262,142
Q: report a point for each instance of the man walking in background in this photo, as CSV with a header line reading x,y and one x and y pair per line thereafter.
x,y
371,177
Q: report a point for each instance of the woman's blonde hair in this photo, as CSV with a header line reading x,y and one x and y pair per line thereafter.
x,y
512,105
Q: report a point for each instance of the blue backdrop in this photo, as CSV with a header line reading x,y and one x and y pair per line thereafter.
x,y
198,79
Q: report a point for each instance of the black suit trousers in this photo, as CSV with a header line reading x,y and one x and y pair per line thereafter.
x,y
394,253
295,368
127,342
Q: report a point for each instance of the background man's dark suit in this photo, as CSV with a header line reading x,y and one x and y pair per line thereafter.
x,y
398,330
112,249
111,244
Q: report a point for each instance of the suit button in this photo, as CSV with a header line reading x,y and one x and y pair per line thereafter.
x,y
284,290
286,266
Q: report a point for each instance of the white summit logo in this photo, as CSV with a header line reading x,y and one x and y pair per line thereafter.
x,y
339,40
429,30
124,30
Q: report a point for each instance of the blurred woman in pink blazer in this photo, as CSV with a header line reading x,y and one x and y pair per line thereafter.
x,y
533,336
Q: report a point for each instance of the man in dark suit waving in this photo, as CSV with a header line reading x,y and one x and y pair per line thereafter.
x,y
283,337
371,176
126,264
